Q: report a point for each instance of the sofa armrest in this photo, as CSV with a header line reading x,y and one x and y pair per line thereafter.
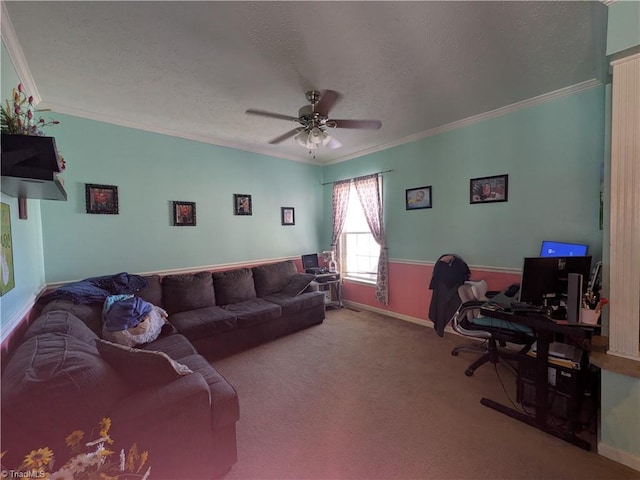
x,y
173,422
187,393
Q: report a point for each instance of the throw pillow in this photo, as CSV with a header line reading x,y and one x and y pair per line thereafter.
x,y
298,284
191,291
141,368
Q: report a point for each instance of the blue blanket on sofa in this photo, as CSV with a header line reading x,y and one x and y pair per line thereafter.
x,y
97,289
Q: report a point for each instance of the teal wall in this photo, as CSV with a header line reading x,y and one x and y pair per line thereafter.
x,y
553,154
620,417
151,171
26,234
623,22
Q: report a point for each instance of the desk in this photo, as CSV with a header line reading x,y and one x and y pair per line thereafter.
x,y
545,328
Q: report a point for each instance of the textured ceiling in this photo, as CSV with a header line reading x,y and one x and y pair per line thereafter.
x,y
191,69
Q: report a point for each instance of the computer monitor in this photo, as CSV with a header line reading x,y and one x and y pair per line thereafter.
x,y
544,277
562,249
310,260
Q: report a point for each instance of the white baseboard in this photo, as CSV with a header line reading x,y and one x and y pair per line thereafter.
x,y
625,458
389,313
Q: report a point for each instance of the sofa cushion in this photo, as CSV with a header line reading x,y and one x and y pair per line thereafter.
x,y
233,286
152,293
90,314
301,302
203,322
298,283
273,277
253,312
141,368
224,399
61,321
181,293
78,387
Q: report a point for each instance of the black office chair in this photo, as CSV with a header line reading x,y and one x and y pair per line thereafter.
x,y
496,333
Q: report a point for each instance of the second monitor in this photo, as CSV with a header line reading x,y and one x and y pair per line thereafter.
x,y
548,277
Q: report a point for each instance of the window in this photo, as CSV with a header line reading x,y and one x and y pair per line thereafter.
x,y
358,249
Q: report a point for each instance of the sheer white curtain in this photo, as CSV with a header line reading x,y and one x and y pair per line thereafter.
x,y
368,189
340,200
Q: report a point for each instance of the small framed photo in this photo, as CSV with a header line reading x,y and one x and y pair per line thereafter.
x,y
242,204
184,214
488,189
417,198
288,215
101,199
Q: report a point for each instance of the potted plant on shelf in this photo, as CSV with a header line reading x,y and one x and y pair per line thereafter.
x,y
18,118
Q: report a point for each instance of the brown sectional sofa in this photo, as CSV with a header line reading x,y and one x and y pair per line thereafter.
x,y
63,377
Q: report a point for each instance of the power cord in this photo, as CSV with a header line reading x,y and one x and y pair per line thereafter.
x,y
504,389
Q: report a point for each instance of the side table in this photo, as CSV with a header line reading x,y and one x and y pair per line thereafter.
x,y
331,286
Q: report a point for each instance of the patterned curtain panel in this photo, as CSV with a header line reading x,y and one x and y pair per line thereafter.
x,y
368,189
340,200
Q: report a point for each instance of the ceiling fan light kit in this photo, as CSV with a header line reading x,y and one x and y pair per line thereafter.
x,y
316,138
314,119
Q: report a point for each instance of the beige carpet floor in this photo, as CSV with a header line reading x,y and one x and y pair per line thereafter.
x,y
364,396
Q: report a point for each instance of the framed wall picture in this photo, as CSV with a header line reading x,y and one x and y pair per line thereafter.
x,y
287,215
184,214
7,278
488,189
417,198
101,199
242,204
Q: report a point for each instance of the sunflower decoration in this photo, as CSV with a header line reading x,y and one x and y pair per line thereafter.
x,y
90,461
40,458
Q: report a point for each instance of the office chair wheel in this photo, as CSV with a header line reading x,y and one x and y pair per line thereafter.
x,y
454,353
468,372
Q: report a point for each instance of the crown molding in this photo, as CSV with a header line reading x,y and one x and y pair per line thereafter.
x,y
14,49
530,102
16,54
100,117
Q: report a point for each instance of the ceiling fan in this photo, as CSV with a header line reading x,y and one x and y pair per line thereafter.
x,y
314,120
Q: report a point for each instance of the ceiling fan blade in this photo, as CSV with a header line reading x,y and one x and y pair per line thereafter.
x,y
327,101
279,116
363,124
284,136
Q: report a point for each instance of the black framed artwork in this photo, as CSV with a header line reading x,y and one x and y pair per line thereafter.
x,y
101,199
242,204
489,189
417,198
287,216
184,214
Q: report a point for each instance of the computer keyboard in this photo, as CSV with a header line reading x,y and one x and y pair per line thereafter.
x,y
523,307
